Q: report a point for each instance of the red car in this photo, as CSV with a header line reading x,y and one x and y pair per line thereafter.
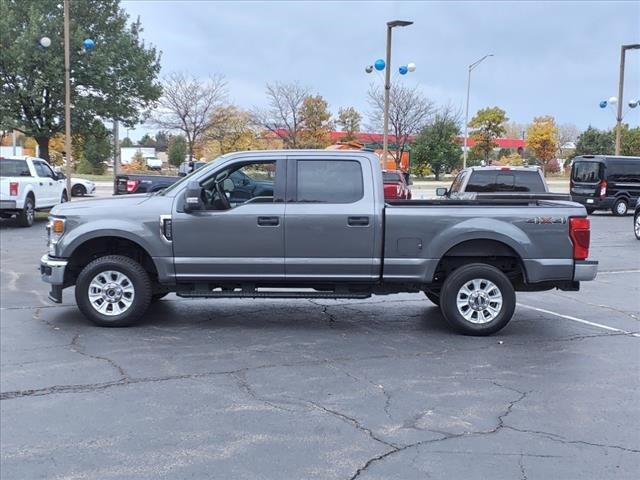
x,y
395,186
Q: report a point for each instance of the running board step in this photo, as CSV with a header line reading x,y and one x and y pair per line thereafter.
x,y
254,294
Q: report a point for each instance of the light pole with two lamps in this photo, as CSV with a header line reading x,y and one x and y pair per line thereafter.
x,y
466,115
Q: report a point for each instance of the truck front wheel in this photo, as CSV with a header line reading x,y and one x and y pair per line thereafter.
x,y
477,299
113,291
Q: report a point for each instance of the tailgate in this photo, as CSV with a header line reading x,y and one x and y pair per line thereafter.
x,y
121,185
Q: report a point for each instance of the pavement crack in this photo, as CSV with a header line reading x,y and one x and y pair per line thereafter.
x,y
243,383
76,347
354,422
560,439
523,472
325,310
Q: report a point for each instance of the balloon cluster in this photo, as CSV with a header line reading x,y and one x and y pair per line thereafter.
x,y
614,100
380,65
88,44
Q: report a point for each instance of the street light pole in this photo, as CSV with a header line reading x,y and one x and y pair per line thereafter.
x,y
67,98
466,114
623,50
387,87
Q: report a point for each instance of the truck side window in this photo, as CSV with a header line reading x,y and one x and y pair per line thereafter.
x,y
329,181
42,170
249,182
457,182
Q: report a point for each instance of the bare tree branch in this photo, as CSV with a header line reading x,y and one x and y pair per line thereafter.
x,y
282,116
409,112
188,105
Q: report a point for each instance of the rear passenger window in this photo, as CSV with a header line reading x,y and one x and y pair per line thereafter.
x,y
329,181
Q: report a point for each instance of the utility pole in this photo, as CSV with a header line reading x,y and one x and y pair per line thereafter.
x,y
623,50
466,114
116,153
387,87
67,98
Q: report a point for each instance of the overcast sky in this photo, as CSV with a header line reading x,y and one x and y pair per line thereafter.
x,y
550,58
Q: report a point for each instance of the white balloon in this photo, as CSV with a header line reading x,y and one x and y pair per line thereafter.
x,y
45,42
411,67
613,100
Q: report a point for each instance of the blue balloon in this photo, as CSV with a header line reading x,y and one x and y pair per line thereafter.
x,y
603,104
403,70
88,44
379,64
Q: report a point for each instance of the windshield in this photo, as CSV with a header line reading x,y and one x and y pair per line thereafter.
x,y
391,177
182,180
505,181
14,168
586,172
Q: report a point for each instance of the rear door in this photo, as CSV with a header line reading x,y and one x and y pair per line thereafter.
x,y
46,187
585,178
329,219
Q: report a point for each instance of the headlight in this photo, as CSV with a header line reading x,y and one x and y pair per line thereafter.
x,y
55,230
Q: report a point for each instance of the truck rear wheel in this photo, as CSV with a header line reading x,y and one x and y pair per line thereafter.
x,y
28,213
477,299
113,291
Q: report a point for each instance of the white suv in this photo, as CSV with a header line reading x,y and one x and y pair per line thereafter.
x,y
28,184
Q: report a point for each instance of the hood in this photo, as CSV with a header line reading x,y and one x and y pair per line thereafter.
x,y
113,204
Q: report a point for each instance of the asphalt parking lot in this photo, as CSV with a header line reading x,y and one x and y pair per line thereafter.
x,y
370,389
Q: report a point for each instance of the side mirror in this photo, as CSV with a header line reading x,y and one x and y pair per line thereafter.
x,y
193,197
441,191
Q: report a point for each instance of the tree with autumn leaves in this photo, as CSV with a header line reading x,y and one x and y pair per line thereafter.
x,y
542,140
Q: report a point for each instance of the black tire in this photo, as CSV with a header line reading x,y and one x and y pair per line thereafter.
x,y
434,297
78,190
158,296
64,197
28,214
138,278
590,210
620,207
636,225
462,277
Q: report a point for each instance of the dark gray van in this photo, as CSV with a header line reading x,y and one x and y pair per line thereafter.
x,y
603,182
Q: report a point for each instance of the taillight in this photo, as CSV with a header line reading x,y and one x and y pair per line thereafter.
x,y
580,237
603,189
132,185
13,189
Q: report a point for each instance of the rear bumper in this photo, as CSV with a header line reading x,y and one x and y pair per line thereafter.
x,y
585,270
593,202
8,205
52,272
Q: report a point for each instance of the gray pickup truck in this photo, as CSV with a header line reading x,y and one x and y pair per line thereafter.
x,y
324,231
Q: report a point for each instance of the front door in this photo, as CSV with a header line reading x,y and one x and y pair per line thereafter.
x,y
330,223
47,186
237,238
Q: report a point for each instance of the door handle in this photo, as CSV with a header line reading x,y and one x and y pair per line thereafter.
x,y
268,221
358,221
50,183
40,183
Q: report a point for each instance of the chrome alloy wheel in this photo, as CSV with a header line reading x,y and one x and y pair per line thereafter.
x,y
636,226
111,293
479,301
621,208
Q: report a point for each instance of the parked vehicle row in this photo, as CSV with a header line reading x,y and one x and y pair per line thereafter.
x,y
311,224
28,184
495,180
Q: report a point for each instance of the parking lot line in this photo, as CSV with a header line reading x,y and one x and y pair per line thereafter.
x,y
611,272
579,320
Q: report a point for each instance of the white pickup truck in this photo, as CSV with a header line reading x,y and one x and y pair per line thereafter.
x,y
28,184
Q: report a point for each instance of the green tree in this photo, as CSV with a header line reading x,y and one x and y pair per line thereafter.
x,y
114,80
487,125
595,142
177,150
437,146
147,141
316,122
92,148
630,141
126,142
349,121
162,141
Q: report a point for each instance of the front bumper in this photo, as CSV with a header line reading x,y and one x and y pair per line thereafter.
x,y
52,272
585,270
